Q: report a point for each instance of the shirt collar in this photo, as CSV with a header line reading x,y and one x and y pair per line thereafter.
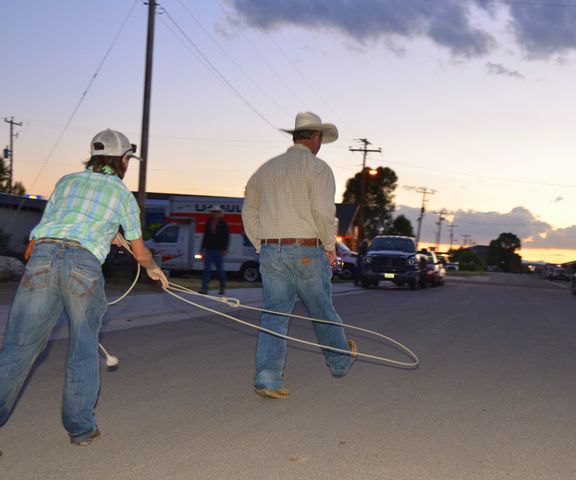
x,y
299,146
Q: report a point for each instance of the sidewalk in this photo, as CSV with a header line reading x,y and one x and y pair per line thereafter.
x,y
155,308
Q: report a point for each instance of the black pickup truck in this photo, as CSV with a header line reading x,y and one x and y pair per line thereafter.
x,y
395,259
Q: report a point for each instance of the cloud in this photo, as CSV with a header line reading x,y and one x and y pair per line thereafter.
x,y
497,69
544,30
557,238
541,30
445,22
482,227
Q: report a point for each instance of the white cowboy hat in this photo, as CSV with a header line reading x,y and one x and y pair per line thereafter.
x,y
311,121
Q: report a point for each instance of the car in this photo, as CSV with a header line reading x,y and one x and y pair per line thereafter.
x,y
573,284
337,267
435,270
348,257
394,258
559,274
448,263
119,263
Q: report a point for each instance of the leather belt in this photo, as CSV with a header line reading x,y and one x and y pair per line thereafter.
x,y
302,242
65,241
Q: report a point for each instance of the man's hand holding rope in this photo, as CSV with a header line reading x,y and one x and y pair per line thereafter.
x,y
144,257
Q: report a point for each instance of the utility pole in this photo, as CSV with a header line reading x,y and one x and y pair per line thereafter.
x,y
12,123
466,237
424,191
146,113
452,227
441,218
365,150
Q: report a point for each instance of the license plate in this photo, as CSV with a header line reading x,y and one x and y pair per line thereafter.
x,y
388,275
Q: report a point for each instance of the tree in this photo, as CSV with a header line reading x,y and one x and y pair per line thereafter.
x,y
502,253
17,187
377,201
468,260
401,226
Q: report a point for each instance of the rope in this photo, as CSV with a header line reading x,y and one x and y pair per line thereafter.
x,y
234,302
112,361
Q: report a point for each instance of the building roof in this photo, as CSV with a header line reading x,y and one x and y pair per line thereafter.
x,y
18,202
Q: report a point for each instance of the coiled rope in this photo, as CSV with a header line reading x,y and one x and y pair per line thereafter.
x,y
112,361
234,302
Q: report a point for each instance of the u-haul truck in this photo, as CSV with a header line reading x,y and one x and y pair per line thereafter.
x,y
179,242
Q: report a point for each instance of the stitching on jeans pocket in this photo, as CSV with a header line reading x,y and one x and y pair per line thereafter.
x,y
83,280
36,278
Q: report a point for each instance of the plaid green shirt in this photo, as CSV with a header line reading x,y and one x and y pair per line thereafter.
x,y
89,207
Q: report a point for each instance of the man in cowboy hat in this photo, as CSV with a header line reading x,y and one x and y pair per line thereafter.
x,y
289,214
214,245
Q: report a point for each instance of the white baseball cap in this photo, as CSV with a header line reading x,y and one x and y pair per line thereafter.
x,y
112,143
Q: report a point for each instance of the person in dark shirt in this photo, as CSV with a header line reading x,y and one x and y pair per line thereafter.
x,y
362,251
214,246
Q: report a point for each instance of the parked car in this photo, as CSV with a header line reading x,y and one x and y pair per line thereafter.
x,y
559,274
348,261
337,267
448,263
395,259
119,263
435,270
573,284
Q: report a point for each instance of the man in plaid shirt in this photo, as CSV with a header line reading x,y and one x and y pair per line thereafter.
x,y
64,273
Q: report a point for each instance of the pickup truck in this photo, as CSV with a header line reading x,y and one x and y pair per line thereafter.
x,y
395,259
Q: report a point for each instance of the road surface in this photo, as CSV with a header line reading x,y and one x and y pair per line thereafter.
x,y
493,398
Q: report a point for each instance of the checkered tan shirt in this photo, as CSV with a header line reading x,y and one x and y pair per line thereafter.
x,y
89,207
291,196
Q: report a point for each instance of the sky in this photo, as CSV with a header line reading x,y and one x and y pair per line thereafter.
x,y
472,100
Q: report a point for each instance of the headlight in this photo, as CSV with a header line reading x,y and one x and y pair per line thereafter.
x,y
367,260
412,261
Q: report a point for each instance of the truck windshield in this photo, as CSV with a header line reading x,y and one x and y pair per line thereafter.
x,y
396,244
168,235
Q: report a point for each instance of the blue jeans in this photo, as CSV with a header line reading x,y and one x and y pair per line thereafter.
x,y
57,278
213,257
287,272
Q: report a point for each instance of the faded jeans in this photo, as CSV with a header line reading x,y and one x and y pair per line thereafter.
x,y
213,257
288,272
58,277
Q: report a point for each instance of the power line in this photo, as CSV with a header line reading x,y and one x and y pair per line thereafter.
x,y
193,48
488,177
270,67
424,191
85,93
441,219
231,59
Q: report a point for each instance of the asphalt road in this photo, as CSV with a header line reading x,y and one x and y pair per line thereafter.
x,y
492,399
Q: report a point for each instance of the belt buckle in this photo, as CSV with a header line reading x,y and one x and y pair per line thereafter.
x,y
299,242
